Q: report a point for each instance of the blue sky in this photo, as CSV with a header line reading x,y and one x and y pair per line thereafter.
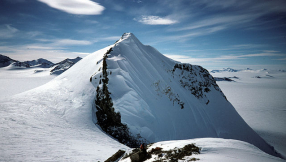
x,y
214,34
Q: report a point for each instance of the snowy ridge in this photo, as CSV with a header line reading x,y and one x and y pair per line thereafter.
x,y
54,122
149,98
5,61
62,66
43,63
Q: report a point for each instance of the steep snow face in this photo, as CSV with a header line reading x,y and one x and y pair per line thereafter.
x,y
161,99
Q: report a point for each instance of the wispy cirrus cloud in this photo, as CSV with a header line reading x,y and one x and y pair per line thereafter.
x,y
215,21
65,42
71,42
109,38
232,15
78,7
192,34
222,58
156,20
7,31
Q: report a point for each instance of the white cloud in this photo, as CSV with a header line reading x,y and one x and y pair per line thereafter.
x,y
79,7
11,29
65,42
156,20
71,42
193,34
222,58
262,54
35,51
111,38
282,59
7,31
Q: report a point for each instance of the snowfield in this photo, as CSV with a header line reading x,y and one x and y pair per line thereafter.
x,y
54,122
14,81
260,101
215,150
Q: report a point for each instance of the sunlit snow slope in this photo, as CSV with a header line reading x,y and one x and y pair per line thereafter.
x,y
54,122
161,99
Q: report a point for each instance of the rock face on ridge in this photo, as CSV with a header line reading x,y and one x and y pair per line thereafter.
x,y
43,63
5,61
64,65
161,99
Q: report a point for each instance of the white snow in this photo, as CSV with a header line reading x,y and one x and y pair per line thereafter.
x,y
147,94
14,81
53,122
216,150
260,101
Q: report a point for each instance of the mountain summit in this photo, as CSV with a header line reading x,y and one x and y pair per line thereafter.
x,y
132,92
160,99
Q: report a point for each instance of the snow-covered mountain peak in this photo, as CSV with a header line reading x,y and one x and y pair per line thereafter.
x,y
128,36
154,96
129,39
161,99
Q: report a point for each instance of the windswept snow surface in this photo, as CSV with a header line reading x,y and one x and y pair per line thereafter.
x,y
53,122
260,101
14,81
216,150
17,79
146,93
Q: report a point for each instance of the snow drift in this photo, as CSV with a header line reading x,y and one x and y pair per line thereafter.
x,y
158,98
161,99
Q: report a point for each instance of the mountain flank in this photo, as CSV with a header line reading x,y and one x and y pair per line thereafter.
x,y
157,99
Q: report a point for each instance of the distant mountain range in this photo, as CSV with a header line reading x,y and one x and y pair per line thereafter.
x,y
128,91
62,66
57,68
245,70
5,61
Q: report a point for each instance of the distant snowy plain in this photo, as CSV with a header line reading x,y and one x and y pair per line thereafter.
x,y
53,122
260,101
16,80
259,97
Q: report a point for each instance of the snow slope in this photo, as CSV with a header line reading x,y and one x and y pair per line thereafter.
x,y
215,150
148,90
54,122
260,101
16,79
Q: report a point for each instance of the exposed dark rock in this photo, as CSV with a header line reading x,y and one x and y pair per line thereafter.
x,y
5,61
115,156
195,79
107,118
64,65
